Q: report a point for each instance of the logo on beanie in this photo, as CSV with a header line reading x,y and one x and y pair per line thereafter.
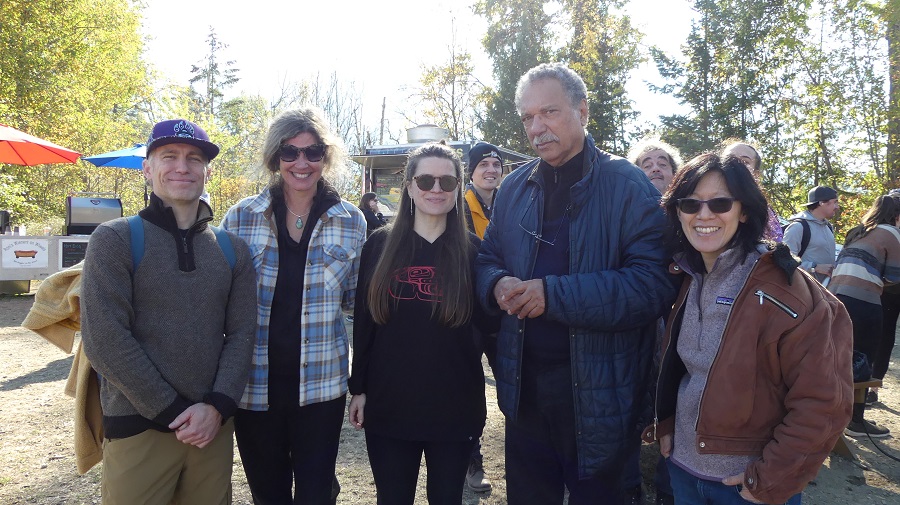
x,y
183,129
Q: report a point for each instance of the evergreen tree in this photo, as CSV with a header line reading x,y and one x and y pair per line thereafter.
x,y
603,50
519,37
214,77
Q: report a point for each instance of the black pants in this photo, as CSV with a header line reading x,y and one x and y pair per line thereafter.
x,y
395,467
290,447
867,323
890,310
541,455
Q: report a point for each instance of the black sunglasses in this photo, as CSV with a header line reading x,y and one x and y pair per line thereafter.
x,y
719,205
447,182
313,153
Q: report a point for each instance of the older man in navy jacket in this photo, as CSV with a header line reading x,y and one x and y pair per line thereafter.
x,y
574,257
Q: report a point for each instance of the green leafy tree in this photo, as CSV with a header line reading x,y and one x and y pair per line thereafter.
x,y
519,37
68,72
891,15
738,79
603,50
832,116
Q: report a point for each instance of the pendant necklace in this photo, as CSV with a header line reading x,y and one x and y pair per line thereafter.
x,y
299,222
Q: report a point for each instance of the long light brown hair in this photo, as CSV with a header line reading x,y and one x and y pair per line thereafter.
x,y
884,210
452,258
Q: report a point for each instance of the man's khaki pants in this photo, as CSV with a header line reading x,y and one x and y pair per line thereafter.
x,y
154,468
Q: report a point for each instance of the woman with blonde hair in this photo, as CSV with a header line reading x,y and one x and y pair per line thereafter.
x,y
305,242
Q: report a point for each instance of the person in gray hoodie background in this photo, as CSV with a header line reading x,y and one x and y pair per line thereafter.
x,y
815,247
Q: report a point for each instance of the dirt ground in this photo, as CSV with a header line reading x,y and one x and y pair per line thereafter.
x,y
37,459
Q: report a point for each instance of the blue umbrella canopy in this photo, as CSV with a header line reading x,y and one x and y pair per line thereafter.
x,y
131,157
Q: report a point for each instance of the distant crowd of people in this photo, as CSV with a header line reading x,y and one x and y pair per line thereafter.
x,y
616,300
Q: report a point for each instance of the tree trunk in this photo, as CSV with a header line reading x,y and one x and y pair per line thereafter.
x,y
892,13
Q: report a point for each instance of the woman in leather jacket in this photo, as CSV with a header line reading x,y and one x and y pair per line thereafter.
x,y
755,383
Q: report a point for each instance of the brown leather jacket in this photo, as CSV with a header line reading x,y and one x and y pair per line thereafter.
x,y
781,385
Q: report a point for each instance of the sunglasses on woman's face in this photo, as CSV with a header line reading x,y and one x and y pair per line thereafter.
x,y
447,182
313,153
716,205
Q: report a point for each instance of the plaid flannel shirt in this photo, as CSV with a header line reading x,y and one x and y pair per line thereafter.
x,y
329,284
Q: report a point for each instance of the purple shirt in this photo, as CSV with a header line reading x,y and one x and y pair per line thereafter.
x,y
773,228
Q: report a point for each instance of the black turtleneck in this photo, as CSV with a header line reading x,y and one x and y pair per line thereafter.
x,y
546,341
284,322
163,216
557,182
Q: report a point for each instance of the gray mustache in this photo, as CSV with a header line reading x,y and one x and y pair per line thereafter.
x,y
546,137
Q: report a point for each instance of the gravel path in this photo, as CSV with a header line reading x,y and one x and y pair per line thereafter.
x,y
37,459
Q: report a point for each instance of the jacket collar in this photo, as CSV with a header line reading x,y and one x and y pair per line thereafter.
x,y
159,214
808,216
589,172
778,254
590,153
471,188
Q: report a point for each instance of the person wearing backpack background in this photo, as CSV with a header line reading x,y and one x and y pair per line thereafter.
x,y
810,236
171,336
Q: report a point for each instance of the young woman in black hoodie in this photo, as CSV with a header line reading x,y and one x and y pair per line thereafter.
x,y
417,381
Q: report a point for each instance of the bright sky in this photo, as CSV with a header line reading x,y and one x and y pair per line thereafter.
x,y
381,45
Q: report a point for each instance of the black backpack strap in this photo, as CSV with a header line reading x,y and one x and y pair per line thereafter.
x,y
807,235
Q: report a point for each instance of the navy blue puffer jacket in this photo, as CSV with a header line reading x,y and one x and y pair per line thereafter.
x,y
616,290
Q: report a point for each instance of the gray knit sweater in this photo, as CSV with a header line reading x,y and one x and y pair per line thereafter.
x,y
178,331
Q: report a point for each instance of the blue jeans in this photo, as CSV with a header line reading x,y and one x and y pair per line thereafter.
x,y
690,490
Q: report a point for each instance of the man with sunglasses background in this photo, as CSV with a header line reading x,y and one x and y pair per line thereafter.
x,y
810,236
573,257
169,322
